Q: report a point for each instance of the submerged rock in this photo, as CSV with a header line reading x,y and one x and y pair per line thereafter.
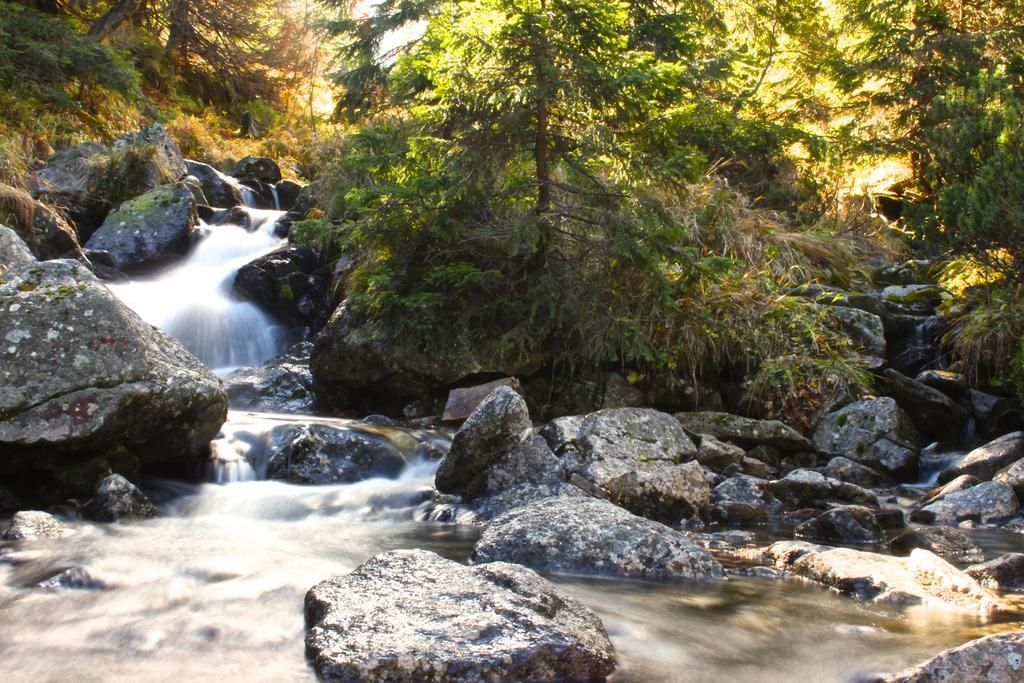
x,y
82,375
948,543
745,431
115,499
75,578
319,454
744,500
988,502
30,524
588,536
149,229
848,524
410,615
874,432
994,659
280,385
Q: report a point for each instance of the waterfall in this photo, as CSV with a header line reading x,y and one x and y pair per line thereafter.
x,y
191,301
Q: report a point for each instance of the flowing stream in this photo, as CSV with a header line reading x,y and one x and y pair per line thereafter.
x,y
212,589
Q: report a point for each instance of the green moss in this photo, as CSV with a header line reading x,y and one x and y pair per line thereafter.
x,y
861,448
842,420
285,293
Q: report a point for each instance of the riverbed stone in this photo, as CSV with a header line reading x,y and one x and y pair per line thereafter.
x,y
116,499
996,658
82,375
280,385
587,536
716,454
1005,573
744,431
952,384
29,524
289,284
149,229
947,542
263,169
617,441
844,469
864,329
874,432
218,188
986,503
411,615
805,488
922,578
13,250
930,410
666,493
995,415
985,461
853,524
1014,476
744,500
319,454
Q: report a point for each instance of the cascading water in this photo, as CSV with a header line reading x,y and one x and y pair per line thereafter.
x,y
191,301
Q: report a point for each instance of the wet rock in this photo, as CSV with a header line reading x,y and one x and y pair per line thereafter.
x,y
9,500
717,455
744,500
287,194
289,284
666,493
51,236
280,385
149,229
30,524
994,659
576,535
920,579
221,191
995,415
744,431
810,489
261,168
930,410
13,251
949,383
913,342
319,454
499,424
987,503
985,461
874,432
115,499
463,401
948,543
82,374
75,578
1005,573
852,524
844,469
864,329
410,615
1014,476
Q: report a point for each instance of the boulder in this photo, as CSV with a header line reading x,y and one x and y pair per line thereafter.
x,y
14,253
1014,476
994,659
809,489
874,432
744,431
744,500
1005,573
864,329
925,297
717,455
410,615
587,536
620,393
988,502
289,284
930,410
995,415
951,384
30,524
618,441
948,543
961,483
287,192
261,168
920,579
463,401
666,493
844,469
319,454
851,524
115,499
281,385
154,227
81,374
50,236
221,191
985,461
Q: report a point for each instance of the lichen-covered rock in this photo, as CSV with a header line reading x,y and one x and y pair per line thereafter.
x,y
281,385
1014,476
150,228
289,284
115,499
410,615
617,441
874,432
844,469
576,535
666,493
1005,573
81,373
926,296
320,454
809,489
930,410
13,251
221,191
852,524
988,502
50,236
948,543
863,328
744,500
985,461
920,579
260,168
716,454
994,659
745,431
29,524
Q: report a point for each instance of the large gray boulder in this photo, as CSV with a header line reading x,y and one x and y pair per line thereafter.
x,y
320,454
997,658
618,441
864,329
988,502
81,373
666,493
985,461
13,251
588,536
115,499
410,615
874,432
809,489
150,228
930,410
745,431
920,579
29,524
1014,476
744,500
220,190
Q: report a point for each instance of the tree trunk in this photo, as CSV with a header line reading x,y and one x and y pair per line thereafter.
x,y
105,25
542,141
176,36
